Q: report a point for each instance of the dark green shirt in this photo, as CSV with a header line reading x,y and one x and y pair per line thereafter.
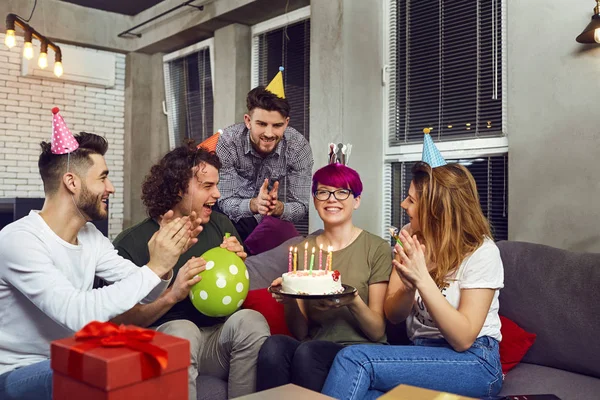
x,y
132,244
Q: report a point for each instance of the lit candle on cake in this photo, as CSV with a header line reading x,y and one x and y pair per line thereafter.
x,y
320,256
329,257
290,260
295,258
312,260
305,255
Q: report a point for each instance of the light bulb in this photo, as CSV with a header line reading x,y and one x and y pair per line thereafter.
x,y
43,60
597,35
28,50
9,39
58,69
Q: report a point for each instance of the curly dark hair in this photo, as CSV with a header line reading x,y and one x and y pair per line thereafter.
x,y
259,97
170,177
53,166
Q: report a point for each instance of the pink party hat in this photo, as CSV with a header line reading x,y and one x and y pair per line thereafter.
x,y
63,141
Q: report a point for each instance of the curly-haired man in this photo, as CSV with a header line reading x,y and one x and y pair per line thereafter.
x,y
185,180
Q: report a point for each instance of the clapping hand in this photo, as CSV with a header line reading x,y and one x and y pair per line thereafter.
x,y
409,262
167,244
267,202
262,202
194,228
274,207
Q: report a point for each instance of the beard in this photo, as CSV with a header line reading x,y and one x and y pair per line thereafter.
x,y
91,205
270,144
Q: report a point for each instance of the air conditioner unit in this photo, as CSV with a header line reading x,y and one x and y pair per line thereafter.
x,y
80,65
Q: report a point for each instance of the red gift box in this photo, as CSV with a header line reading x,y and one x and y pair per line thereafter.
x,y
107,362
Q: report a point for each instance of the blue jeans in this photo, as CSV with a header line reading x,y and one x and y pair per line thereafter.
x,y
367,371
33,382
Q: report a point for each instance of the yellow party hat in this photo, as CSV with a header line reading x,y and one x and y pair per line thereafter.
x,y
276,85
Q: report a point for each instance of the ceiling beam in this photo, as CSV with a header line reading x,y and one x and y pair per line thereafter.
x,y
184,26
69,23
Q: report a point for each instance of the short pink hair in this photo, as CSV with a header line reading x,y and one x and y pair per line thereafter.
x,y
339,176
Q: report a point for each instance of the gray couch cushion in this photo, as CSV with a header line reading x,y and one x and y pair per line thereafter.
x,y
554,293
535,379
263,268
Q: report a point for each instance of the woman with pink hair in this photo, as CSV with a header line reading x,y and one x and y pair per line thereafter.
x,y
321,328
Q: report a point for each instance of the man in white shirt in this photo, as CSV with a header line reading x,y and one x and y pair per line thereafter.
x,y
48,261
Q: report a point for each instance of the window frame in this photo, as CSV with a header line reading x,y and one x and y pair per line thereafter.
x,y
169,98
450,149
278,22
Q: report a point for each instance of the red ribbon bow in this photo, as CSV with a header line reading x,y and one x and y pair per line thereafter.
x,y
107,334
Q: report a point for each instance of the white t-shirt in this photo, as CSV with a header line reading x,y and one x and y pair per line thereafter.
x,y
482,269
46,287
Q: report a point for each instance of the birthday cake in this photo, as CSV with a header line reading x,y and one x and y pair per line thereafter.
x,y
312,283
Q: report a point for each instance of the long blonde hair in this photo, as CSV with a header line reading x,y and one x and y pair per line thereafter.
x,y
450,217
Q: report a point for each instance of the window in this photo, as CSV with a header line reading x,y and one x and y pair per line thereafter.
x,y
189,93
445,71
490,174
285,41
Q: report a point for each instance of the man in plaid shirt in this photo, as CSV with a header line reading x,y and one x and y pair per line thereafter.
x,y
267,165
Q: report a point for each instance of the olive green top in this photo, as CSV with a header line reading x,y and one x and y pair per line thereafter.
x,y
365,261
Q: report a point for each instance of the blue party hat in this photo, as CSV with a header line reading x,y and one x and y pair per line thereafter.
x,y
431,154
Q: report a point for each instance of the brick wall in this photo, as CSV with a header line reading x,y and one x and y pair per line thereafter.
x,y
26,120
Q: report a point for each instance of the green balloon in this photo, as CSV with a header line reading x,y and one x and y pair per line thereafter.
x,y
224,285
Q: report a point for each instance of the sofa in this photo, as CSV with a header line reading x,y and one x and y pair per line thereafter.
x,y
547,291
553,293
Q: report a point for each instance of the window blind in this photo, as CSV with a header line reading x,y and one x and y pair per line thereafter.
x,y
288,46
445,69
491,177
189,97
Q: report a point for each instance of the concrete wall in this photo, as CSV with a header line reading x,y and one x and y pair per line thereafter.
x,y
232,74
26,120
346,95
146,132
553,125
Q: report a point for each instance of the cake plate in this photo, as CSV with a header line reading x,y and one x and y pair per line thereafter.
x,y
348,291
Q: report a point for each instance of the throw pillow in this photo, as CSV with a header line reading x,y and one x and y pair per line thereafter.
x,y
270,233
514,345
261,300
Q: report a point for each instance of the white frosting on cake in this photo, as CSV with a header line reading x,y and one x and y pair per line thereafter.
x,y
317,282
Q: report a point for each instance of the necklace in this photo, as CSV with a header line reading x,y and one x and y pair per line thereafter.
x,y
354,234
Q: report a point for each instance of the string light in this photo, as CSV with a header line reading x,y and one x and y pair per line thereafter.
x,y
43,58
58,69
9,40
28,46
13,21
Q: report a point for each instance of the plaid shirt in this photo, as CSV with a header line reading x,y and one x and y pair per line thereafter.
x,y
244,172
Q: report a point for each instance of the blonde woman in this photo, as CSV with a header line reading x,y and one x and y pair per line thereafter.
x,y
445,284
